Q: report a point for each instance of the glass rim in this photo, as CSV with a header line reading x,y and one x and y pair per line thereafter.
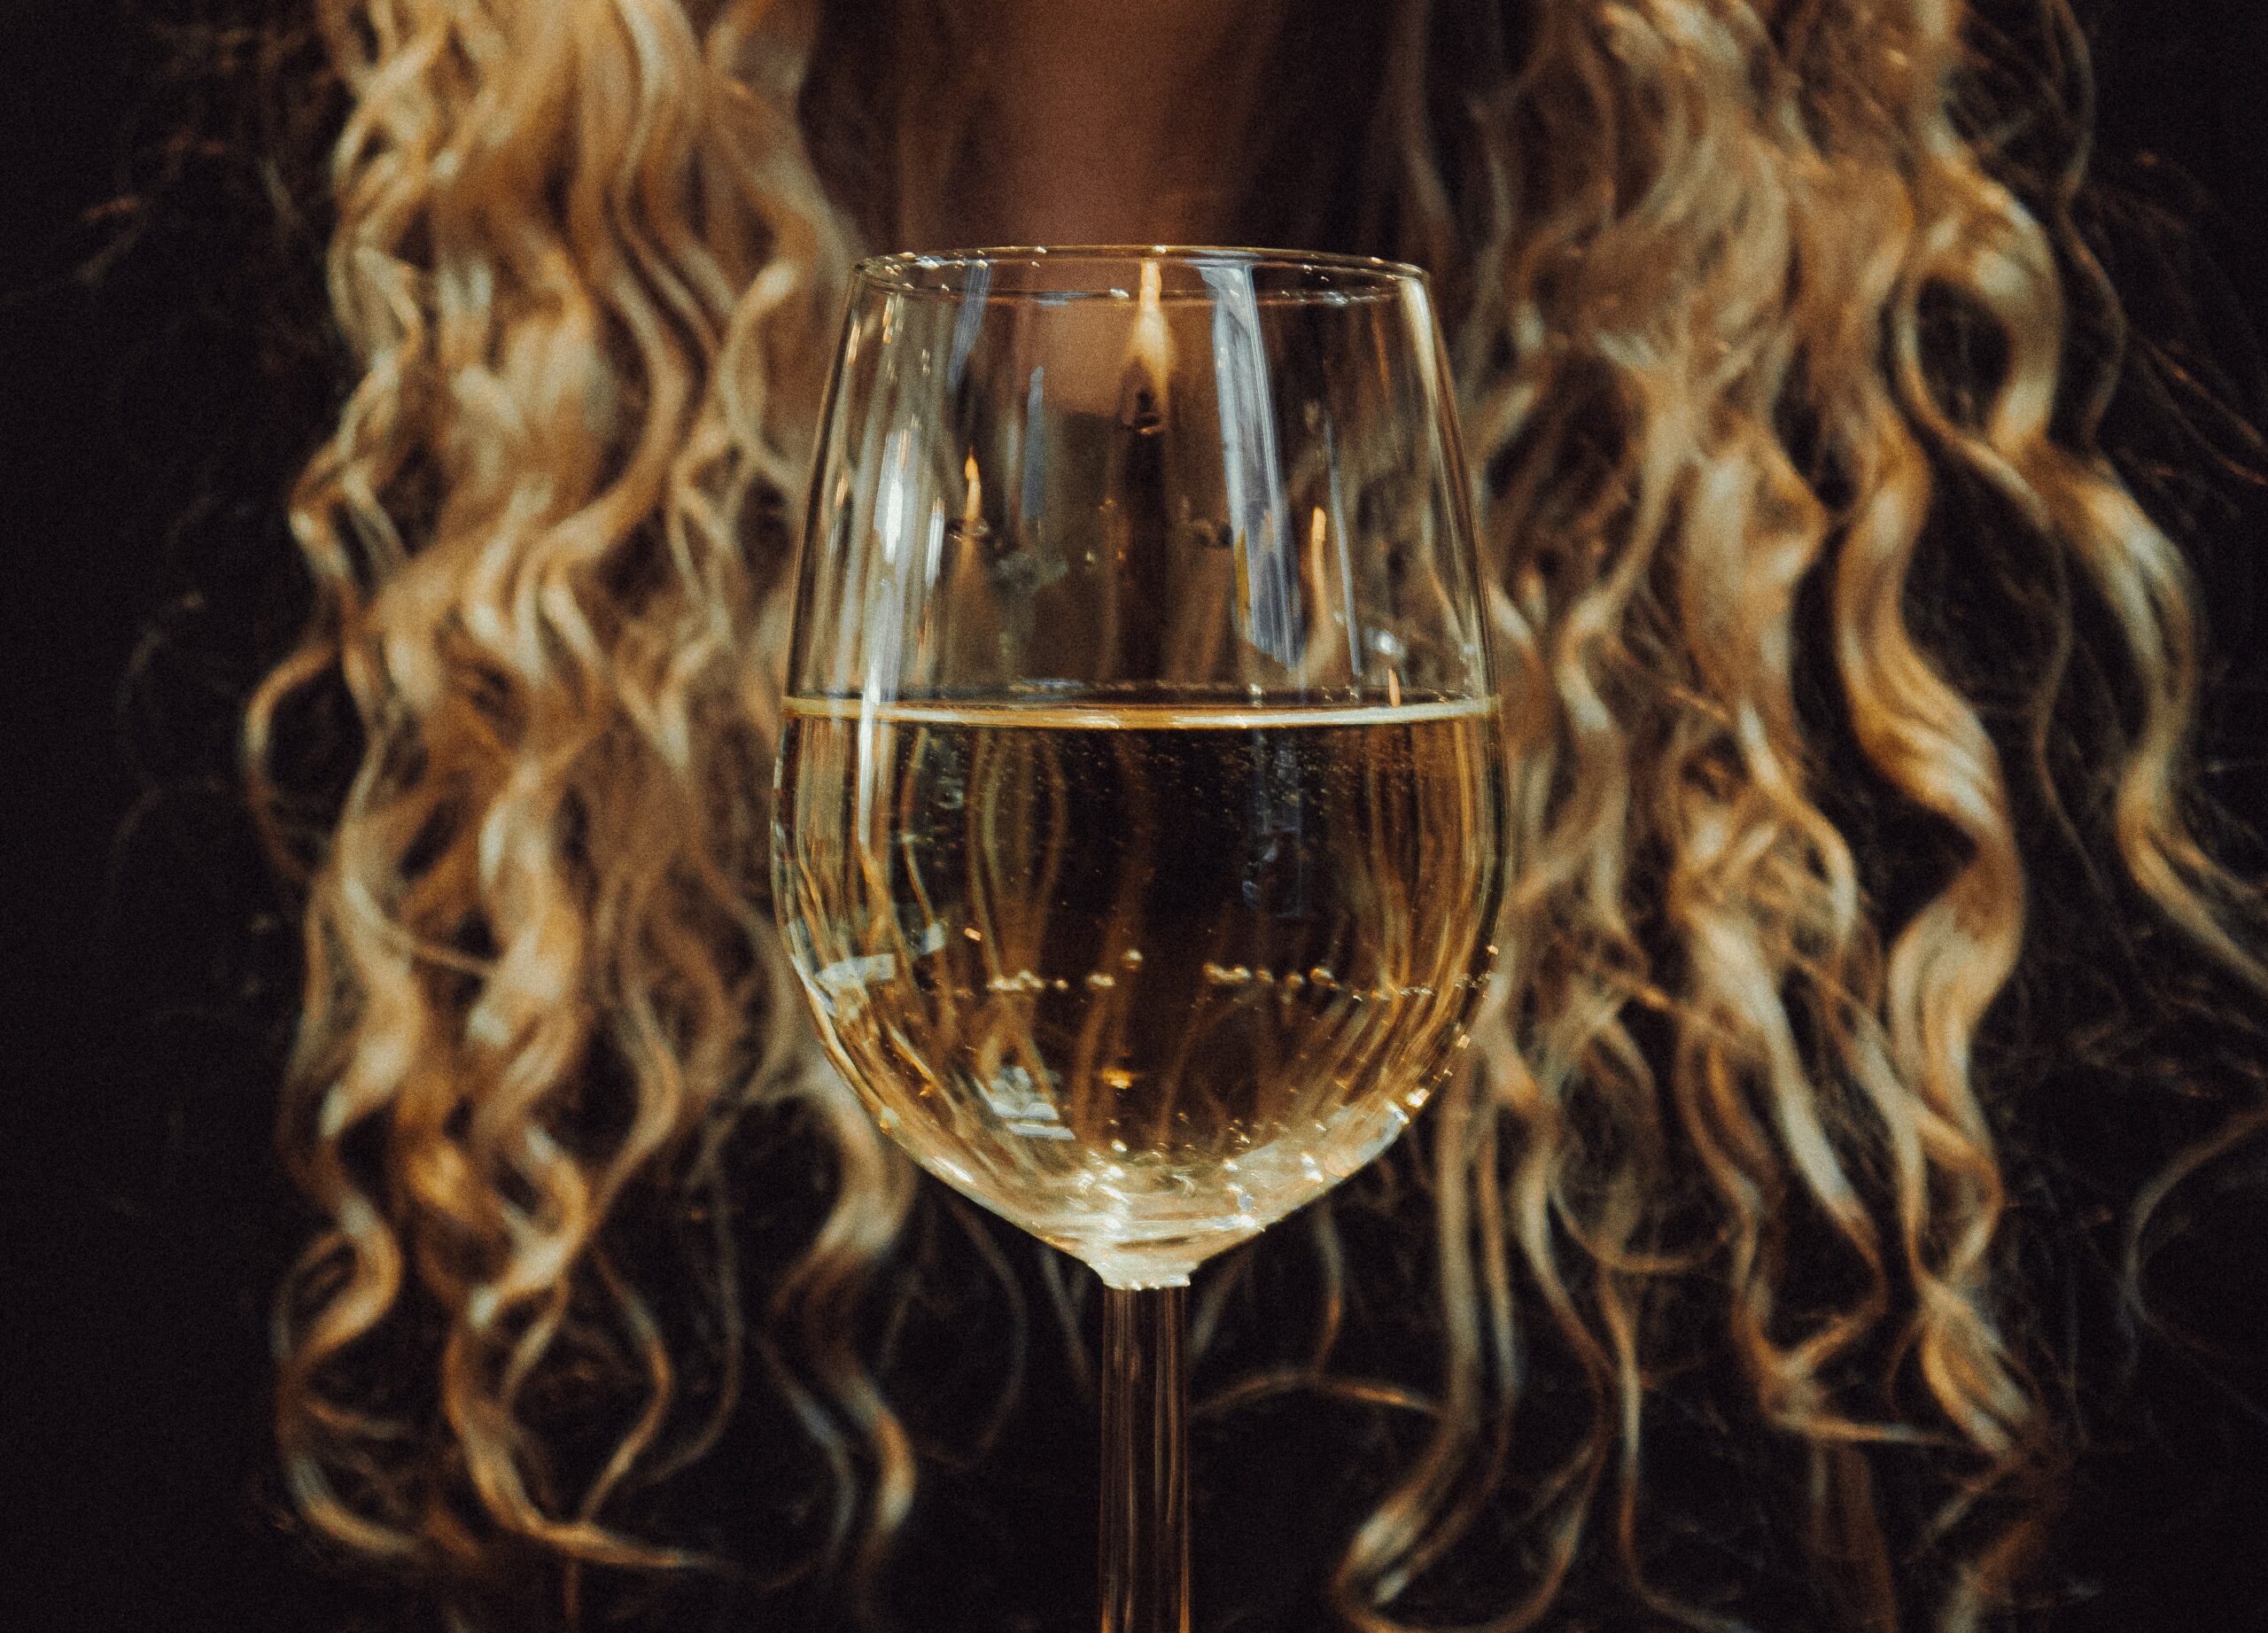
x,y
900,271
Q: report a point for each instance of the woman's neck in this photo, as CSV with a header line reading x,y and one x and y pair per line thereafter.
x,y
1117,121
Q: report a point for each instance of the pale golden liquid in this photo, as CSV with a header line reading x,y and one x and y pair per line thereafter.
x,y
1145,978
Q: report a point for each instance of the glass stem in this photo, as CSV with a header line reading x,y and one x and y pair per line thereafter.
x,y
1144,1462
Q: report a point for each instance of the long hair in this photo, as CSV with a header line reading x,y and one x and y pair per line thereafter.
x,y
1740,293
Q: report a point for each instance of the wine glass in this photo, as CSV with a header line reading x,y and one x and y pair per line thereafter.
x,y
1139,798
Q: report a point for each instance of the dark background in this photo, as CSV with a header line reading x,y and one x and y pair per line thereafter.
x,y
162,370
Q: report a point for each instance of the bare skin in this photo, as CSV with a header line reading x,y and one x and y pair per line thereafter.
x,y
1118,122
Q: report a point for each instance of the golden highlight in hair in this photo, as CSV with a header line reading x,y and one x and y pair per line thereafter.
x,y
1696,255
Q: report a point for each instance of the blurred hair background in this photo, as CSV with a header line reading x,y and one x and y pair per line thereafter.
x,y
164,367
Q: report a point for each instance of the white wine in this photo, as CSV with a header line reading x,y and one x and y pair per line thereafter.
x,y
1141,977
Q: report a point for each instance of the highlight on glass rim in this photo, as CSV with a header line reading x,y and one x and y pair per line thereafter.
x,y
1232,816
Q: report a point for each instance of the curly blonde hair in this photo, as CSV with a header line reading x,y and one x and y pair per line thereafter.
x,y
1736,289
